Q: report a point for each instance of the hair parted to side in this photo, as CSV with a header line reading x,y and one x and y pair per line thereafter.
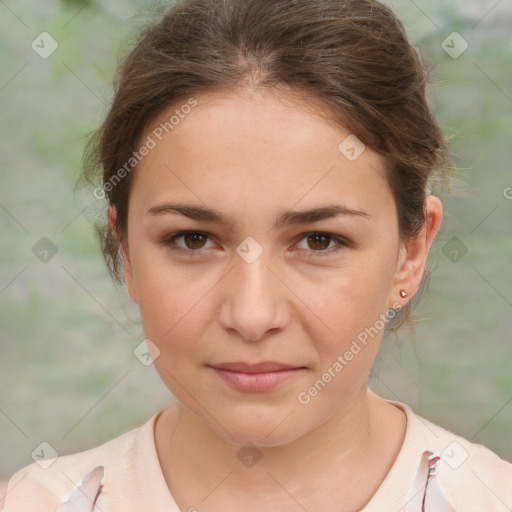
x,y
353,55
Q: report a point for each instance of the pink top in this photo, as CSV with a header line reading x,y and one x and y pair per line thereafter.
x,y
435,471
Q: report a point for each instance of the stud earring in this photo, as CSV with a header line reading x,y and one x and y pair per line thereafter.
x,y
403,293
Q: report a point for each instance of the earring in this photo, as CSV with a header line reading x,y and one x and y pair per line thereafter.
x,y
403,293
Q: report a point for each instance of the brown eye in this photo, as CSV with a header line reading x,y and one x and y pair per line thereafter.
x,y
194,240
318,241
319,244
190,241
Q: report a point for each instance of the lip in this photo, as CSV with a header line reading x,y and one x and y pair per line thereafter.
x,y
256,377
261,367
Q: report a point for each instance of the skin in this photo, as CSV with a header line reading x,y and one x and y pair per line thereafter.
x,y
252,155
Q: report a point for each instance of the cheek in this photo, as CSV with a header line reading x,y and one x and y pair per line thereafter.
x,y
174,302
171,309
349,299
173,318
347,352
350,306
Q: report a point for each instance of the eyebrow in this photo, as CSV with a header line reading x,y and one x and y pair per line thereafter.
x,y
202,213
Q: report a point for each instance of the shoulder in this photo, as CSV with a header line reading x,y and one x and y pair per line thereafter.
x,y
43,486
3,492
471,476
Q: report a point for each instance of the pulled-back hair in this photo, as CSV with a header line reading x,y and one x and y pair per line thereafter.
x,y
352,55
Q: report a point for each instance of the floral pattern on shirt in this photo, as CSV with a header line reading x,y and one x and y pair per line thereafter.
x,y
89,496
425,494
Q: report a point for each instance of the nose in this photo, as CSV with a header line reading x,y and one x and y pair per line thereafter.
x,y
255,300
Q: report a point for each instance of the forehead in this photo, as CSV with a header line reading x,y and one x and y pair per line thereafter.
x,y
255,147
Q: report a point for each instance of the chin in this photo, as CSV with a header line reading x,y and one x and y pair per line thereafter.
x,y
261,429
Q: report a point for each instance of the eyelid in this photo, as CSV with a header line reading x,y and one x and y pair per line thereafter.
x,y
342,242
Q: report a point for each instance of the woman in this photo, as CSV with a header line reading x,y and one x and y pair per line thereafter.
x,y
269,168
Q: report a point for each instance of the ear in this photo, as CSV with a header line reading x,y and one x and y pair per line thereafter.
x,y
414,253
125,256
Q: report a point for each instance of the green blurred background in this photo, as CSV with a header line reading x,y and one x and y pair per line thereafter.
x,y
68,375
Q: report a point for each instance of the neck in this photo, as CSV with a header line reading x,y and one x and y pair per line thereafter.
x,y
350,446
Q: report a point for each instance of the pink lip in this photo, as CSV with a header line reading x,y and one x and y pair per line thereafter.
x,y
258,377
262,367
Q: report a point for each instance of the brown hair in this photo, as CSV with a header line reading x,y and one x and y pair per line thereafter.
x,y
353,55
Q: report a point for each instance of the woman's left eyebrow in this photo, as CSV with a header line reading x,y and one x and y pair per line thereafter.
x,y
204,213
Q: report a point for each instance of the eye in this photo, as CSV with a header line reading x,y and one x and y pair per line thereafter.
x,y
319,243
193,242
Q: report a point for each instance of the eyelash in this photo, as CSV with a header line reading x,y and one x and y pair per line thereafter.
x,y
169,241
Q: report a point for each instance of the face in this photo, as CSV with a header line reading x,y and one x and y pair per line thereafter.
x,y
263,283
